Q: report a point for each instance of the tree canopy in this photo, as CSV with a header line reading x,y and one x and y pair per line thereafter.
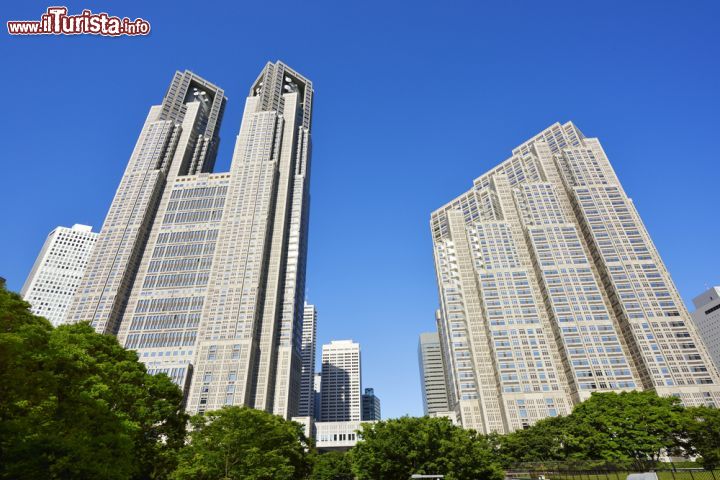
x,y
332,466
701,434
399,448
543,442
75,404
243,443
628,429
634,427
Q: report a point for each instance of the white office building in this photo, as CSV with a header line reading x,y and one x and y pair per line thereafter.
x,y
341,382
307,377
707,319
58,271
339,436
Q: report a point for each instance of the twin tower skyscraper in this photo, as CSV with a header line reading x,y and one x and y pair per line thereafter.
x,y
203,273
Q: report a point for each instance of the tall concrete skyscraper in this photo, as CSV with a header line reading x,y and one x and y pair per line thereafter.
x,y
432,374
341,382
58,270
307,379
707,319
204,273
551,289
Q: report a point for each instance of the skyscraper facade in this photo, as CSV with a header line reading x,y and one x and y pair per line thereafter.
x,y
341,381
551,289
58,270
307,379
371,410
317,385
432,374
204,273
707,319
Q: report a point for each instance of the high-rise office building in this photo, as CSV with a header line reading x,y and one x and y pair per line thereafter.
x,y
370,406
204,272
307,378
551,289
432,374
707,319
58,270
341,381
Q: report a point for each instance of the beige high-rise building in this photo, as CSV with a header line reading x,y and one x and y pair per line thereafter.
x,y
204,273
551,289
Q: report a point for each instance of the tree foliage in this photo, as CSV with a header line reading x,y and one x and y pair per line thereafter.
x,y
634,427
242,443
701,434
332,466
75,404
399,448
631,429
543,442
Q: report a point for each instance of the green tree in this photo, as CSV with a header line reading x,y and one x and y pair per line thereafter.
x,y
629,427
543,442
24,385
149,407
332,466
75,404
399,448
701,434
236,443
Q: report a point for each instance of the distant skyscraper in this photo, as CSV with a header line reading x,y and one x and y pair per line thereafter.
x,y
432,374
307,379
707,319
551,289
58,270
341,380
370,406
205,272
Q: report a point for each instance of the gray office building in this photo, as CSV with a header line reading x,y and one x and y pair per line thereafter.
x,y
432,374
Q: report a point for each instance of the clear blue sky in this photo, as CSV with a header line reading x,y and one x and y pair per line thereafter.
x,y
413,101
